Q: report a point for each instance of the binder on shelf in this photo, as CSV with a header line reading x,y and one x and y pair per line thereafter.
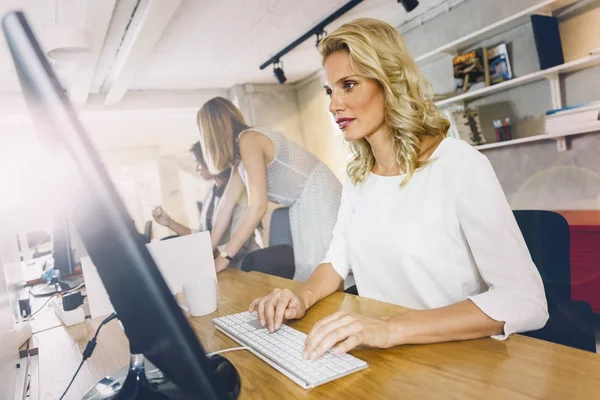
x,y
547,41
578,118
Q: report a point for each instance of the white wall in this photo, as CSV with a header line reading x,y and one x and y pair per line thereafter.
x,y
300,112
272,106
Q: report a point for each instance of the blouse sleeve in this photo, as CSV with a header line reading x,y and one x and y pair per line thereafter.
x,y
337,254
516,293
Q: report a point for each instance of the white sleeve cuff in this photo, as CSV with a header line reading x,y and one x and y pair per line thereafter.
x,y
340,267
519,312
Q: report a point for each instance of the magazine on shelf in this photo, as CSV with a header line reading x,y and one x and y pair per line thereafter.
x,y
471,70
499,64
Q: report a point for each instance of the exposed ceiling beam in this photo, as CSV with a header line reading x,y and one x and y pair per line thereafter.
x,y
97,20
148,24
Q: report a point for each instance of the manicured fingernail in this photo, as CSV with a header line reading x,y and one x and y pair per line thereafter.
x,y
305,355
271,328
313,355
262,322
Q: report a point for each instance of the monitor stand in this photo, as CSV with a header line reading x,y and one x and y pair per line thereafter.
x,y
137,383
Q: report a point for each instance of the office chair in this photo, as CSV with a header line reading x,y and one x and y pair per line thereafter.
x,y
278,258
571,323
281,230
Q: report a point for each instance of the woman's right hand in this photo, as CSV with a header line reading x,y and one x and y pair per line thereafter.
x,y
161,216
279,304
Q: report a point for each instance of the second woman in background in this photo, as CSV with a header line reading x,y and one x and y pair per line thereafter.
x,y
209,207
270,168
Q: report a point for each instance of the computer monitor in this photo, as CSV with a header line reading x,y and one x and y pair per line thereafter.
x,y
62,251
151,317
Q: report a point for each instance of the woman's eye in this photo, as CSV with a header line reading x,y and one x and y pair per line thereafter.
x,y
349,85
328,92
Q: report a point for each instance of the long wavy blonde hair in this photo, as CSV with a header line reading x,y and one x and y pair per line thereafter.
x,y
377,51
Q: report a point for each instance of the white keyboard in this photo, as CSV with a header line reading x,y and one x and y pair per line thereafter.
x,y
283,350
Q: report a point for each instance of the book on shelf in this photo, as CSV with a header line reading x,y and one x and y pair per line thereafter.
x,y
499,64
547,41
582,117
464,124
471,70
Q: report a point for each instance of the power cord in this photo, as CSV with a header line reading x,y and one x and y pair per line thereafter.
x,y
89,349
52,296
42,307
227,351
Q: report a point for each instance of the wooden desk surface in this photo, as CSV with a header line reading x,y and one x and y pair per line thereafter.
x,y
518,368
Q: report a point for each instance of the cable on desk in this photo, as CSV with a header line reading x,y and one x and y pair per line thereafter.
x,y
227,351
209,355
31,292
89,349
72,379
36,295
42,307
54,295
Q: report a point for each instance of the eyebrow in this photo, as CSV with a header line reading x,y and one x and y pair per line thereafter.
x,y
341,79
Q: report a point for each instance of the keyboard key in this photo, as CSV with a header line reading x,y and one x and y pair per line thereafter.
x,y
357,363
338,368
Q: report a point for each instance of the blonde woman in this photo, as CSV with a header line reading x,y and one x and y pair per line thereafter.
x,y
423,221
269,168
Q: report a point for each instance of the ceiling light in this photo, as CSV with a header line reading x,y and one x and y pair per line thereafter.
x,y
67,43
278,71
320,36
66,39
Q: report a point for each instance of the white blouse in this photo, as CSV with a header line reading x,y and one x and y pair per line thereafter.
x,y
447,236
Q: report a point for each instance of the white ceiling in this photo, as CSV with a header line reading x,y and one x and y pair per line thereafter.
x,y
221,43
204,43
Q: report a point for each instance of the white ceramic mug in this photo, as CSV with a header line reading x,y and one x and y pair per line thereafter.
x,y
201,296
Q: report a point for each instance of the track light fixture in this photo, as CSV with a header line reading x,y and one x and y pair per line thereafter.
x,y
278,72
316,30
320,32
409,5
320,36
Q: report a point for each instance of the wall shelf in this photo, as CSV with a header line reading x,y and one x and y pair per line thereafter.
x,y
560,139
550,73
512,142
453,48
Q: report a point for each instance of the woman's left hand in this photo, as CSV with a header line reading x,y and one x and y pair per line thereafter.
x,y
341,332
221,264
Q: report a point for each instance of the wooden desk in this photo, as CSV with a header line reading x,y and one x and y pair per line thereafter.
x,y
519,368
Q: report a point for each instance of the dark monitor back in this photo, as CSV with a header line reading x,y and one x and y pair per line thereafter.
x,y
62,251
150,315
